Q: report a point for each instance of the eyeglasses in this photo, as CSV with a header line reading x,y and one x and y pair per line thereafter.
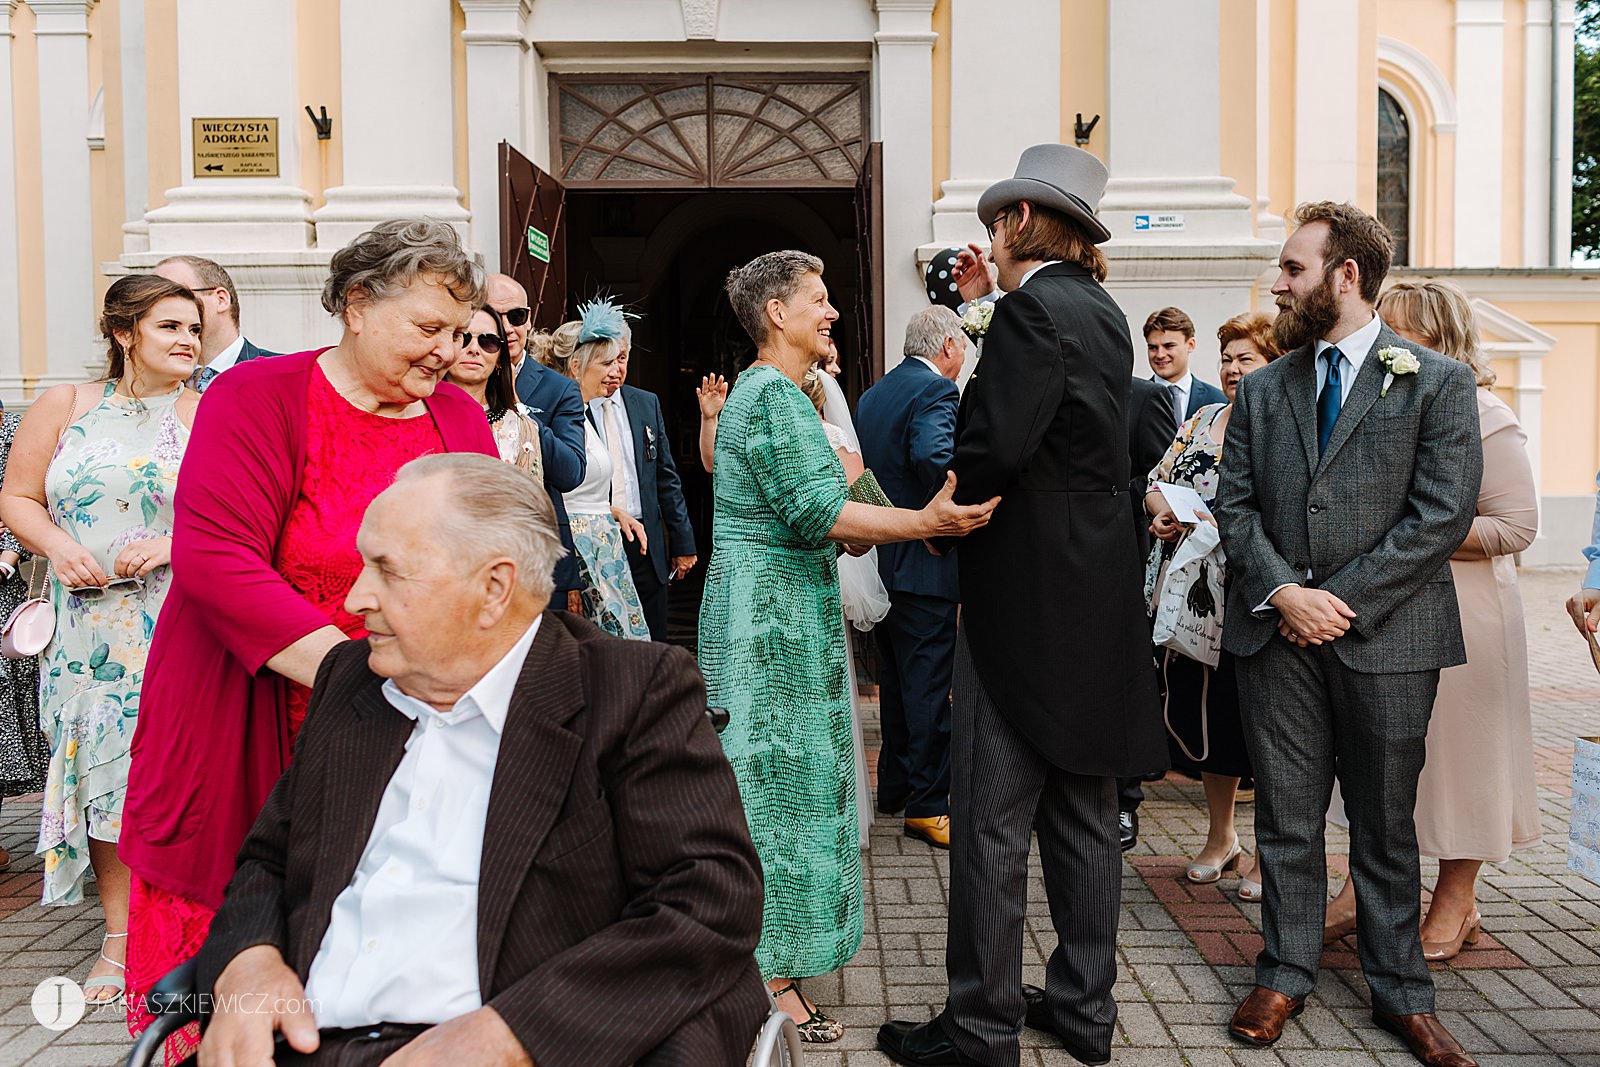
x,y
489,344
516,316
998,215
119,586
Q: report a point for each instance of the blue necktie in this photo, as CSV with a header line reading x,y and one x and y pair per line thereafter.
x,y
1329,402
202,378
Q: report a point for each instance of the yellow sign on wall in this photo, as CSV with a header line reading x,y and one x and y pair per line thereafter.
x,y
236,148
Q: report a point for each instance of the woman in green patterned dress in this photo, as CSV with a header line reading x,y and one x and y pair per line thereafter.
x,y
772,641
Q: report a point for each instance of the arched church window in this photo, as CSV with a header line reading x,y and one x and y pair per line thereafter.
x,y
1394,174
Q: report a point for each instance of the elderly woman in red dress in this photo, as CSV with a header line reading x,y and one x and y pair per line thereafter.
x,y
285,456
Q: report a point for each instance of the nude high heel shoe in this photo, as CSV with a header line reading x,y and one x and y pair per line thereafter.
x,y
1471,929
1205,874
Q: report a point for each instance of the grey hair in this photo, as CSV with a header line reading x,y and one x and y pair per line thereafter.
x,y
393,254
492,508
928,330
774,276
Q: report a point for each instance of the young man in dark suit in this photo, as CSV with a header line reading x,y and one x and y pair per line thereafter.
x,y
221,344
557,403
1352,474
1169,344
907,425
1054,697
499,827
631,422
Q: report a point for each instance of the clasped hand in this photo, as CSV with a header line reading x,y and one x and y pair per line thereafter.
x,y
1311,616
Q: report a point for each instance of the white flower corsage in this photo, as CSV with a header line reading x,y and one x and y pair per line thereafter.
x,y
1397,361
976,321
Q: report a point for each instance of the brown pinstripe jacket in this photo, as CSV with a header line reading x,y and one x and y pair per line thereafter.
x,y
619,898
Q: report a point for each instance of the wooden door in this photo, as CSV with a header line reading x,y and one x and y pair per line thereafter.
x,y
869,319
533,235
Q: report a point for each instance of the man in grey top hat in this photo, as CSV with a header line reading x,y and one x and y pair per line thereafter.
x,y
1054,696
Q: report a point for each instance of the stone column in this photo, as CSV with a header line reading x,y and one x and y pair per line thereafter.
x,y
497,86
61,29
395,74
135,136
10,271
1327,44
1180,234
902,77
1005,94
1480,48
236,60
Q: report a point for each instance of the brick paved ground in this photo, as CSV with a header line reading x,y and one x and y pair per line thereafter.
x,y
1529,995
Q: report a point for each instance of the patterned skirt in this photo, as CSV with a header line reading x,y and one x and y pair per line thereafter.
x,y
610,599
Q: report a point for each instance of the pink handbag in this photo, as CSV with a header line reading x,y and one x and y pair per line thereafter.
x,y
29,628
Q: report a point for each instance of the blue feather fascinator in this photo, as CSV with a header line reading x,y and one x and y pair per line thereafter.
x,y
602,319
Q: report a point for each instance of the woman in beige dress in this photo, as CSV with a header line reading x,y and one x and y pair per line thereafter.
x,y
1475,801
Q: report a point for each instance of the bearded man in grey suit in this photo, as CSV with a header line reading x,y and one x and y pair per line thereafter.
x,y
1351,475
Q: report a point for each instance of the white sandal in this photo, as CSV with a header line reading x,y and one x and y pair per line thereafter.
x,y
118,982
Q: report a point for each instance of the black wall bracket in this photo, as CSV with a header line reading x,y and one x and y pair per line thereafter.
x,y
324,124
1080,129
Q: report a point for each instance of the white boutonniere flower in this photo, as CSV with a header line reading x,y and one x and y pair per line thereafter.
x,y
976,321
1397,361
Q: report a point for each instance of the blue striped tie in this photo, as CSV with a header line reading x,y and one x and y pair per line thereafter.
x,y
1330,401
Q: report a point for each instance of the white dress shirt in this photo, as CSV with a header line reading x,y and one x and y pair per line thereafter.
x,y
630,469
402,942
227,357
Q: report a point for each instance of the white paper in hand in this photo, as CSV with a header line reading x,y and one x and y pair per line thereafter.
x,y
1186,504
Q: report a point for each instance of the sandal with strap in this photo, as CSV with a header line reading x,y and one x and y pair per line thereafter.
x,y
817,1029
117,982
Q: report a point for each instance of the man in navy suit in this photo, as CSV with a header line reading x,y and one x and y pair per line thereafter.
x,y
221,344
907,425
630,420
1169,342
554,400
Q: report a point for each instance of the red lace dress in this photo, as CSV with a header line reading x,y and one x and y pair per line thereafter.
x,y
351,456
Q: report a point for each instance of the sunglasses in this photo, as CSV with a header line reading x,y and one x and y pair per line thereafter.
x,y
488,343
119,586
516,316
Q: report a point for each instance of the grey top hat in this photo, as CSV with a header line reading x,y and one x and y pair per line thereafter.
x,y
1057,176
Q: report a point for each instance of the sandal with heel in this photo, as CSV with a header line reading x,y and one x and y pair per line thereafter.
x,y
817,1028
1205,874
117,982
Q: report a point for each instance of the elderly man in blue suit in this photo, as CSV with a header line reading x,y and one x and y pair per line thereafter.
x,y
555,401
907,424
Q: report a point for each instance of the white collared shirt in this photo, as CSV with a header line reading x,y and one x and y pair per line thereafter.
x,y
227,357
630,469
402,942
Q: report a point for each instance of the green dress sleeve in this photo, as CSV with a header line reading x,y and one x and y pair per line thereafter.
x,y
791,463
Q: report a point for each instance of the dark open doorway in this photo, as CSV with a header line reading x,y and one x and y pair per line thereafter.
x,y
666,255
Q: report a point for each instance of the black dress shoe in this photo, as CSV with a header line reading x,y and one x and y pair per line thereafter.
x,y
921,1045
1128,824
1038,1017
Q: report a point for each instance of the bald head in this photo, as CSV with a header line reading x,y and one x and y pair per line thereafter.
x,y
507,296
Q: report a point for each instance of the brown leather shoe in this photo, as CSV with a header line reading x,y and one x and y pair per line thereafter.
x,y
1260,1017
934,831
1426,1037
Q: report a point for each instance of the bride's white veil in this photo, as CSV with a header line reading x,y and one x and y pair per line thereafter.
x,y
836,409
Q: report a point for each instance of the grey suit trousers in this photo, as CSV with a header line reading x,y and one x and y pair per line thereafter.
x,y
1306,717
1001,789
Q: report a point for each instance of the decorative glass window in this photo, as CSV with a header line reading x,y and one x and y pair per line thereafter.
x,y
1394,175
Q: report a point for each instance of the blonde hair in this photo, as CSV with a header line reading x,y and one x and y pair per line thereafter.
x,y
538,346
1442,314
603,350
563,343
811,385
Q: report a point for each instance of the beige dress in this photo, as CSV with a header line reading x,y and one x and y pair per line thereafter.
x,y
1476,798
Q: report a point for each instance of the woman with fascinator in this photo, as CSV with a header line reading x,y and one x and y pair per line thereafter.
x,y
610,598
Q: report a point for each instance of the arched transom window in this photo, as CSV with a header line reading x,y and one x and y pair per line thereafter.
x,y
1394,174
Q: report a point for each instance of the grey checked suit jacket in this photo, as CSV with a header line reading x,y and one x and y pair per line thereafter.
x,y
1374,519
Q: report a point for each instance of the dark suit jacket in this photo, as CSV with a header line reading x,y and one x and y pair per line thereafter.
x,y
907,425
250,351
1152,427
555,400
666,515
1374,518
1052,589
619,899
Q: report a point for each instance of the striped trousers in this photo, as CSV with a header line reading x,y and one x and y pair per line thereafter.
x,y
1001,790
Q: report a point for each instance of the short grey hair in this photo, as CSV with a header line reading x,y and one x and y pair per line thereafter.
x,y
774,276
393,254
928,330
492,508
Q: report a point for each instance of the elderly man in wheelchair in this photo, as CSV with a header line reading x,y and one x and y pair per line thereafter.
x,y
505,838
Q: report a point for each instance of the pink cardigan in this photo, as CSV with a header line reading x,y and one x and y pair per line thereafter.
x,y
212,736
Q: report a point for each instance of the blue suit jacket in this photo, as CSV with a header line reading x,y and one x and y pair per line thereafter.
x,y
554,400
907,426
666,516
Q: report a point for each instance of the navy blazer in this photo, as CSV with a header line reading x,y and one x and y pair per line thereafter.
x,y
1200,394
250,351
907,425
556,402
666,515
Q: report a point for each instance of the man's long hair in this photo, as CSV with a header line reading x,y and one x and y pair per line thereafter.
x,y
1051,234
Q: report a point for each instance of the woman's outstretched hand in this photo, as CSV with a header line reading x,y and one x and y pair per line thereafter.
x,y
712,394
946,518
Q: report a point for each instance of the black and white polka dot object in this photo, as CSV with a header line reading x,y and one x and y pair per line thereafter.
x,y
940,278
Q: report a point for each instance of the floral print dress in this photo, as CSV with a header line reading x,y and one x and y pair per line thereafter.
x,y
109,484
